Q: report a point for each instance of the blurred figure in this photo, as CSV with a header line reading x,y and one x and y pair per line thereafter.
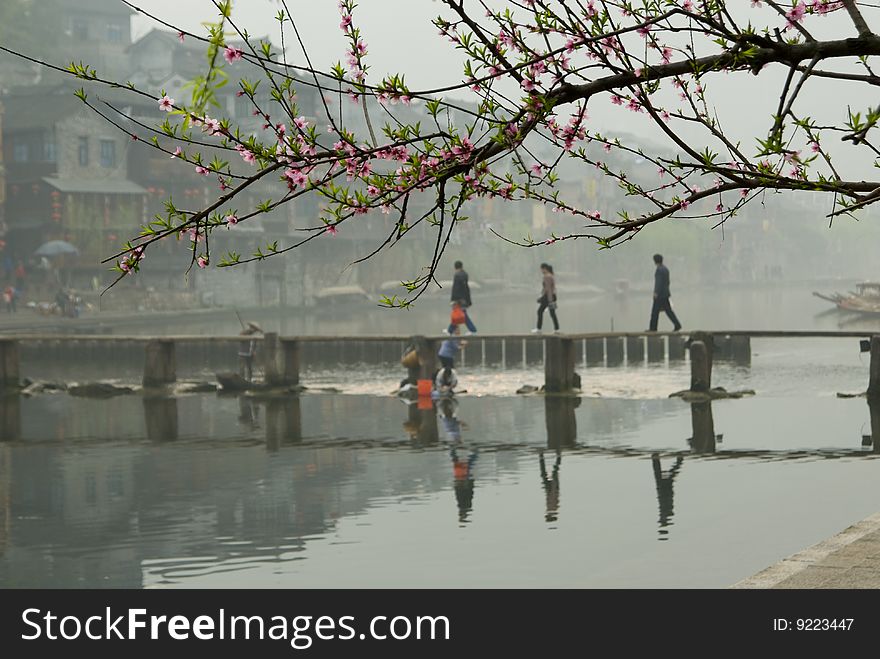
x,y
448,411
445,382
247,350
450,348
547,299
9,295
663,481
20,275
661,296
463,482
248,413
461,296
551,487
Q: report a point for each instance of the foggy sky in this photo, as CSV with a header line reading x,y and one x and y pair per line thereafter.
x,y
401,39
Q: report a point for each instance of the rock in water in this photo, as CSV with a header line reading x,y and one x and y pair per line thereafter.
x,y
98,390
233,382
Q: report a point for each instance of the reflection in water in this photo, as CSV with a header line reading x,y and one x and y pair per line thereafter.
x,y
448,413
663,481
248,413
283,422
422,422
10,417
96,506
160,415
560,420
703,438
463,479
551,486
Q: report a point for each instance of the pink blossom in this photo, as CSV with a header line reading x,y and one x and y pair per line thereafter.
x,y
232,54
166,104
301,123
607,148
181,36
796,13
719,208
295,177
814,147
202,170
202,261
212,126
684,204
248,156
331,229
177,151
231,220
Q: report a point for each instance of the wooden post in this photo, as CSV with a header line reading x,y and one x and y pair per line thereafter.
x,y
559,364
708,340
9,364
700,373
874,371
271,359
427,352
160,364
290,362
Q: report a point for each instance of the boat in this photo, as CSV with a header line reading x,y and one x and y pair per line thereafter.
x,y
335,295
864,300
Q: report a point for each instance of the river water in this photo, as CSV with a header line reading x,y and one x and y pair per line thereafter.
x,y
622,487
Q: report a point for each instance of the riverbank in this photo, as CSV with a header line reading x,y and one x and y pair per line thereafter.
x,y
849,559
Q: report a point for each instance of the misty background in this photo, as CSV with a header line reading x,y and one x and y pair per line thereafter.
x,y
69,175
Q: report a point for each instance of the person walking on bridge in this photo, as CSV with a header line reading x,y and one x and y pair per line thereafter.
x,y
461,296
661,296
547,299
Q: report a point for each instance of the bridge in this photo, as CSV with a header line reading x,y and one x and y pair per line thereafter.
x,y
560,354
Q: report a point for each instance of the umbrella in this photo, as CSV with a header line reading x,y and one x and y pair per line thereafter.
x,y
56,247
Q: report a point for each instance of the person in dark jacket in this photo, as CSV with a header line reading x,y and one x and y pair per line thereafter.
x,y
461,295
661,296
